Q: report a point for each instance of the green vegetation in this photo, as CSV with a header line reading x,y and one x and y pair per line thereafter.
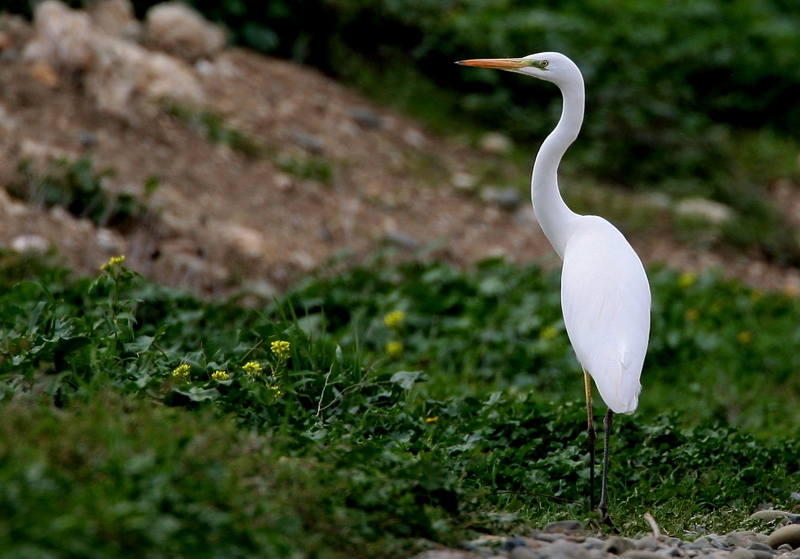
x,y
78,188
366,414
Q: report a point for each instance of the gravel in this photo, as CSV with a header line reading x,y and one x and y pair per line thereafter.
x,y
570,540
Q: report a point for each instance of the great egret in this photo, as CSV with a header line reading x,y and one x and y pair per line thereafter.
x,y
605,296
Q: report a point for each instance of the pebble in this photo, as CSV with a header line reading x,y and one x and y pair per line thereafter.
x,y
742,553
506,198
367,118
523,553
569,539
787,535
647,543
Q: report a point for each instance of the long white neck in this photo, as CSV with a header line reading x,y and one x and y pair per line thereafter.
x,y
555,218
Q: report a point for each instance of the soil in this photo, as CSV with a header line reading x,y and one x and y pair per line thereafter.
x,y
221,222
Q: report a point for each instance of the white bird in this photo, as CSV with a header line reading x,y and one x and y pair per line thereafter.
x,y
605,295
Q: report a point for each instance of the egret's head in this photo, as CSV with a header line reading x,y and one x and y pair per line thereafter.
x,y
549,66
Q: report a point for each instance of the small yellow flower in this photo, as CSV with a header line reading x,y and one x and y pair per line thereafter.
x,y
394,348
548,333
686,279
181,372
432,419
394,319
276,391
113,261
220,376
280,349
692,315
252,368
744,337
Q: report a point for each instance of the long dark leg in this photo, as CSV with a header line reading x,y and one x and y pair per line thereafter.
x,y
592,435
607,422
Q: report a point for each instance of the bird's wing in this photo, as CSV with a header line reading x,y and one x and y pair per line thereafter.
x,y
605,298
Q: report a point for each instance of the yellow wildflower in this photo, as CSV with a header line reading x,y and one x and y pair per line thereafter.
x,y
432,419
686,279
280,349
181,372
276,391
252,368
113,261
394,319
394,348
745,337
692,315
220,376
548,333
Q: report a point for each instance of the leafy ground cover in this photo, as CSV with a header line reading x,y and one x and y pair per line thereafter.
x,y
369,413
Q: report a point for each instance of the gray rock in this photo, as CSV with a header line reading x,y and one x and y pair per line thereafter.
x,y
367,118
463,181
671,552
793,519
403,240
618,546
30,244
495,143
87,139
739,539
641,554
719,544
549,537
708,210
523,552
307,141
506,198
563,527
761,554
787,535
513,543
648,543
594,543
703,542
742,553
758,546
564,549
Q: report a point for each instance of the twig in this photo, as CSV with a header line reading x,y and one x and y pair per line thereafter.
x,y
653,525
322,394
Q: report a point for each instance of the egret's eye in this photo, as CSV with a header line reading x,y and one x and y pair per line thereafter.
x,y
543,64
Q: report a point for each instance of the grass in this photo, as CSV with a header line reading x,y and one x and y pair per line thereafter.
x,y
370,414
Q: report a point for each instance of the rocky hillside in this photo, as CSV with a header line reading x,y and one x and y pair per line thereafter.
x,y
246,171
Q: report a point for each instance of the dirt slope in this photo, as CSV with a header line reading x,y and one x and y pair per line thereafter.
x,y
222,222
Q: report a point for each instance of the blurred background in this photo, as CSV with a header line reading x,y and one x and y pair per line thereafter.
x,y
698,99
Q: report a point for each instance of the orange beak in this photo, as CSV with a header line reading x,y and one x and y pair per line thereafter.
x,y
496,63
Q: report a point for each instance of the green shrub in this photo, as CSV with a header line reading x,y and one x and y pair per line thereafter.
x,y
78,188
